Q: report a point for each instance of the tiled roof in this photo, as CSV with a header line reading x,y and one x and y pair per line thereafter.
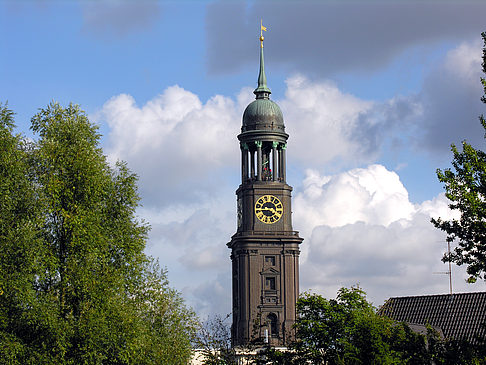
x,y
459,316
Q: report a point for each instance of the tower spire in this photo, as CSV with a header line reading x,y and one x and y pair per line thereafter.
x,y
262,91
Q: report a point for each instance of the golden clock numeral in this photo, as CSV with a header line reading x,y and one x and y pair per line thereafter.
x,y
258,205
279,205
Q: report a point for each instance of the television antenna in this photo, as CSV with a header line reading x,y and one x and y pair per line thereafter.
x,y
449,272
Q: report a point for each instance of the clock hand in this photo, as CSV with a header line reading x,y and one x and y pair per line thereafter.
x,y
268,209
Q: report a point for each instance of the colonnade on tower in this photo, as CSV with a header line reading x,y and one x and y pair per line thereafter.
x,y
263,161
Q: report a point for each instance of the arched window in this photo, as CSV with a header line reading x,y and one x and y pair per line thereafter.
x,y
272,324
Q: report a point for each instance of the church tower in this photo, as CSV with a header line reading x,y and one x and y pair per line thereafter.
x,y
264,249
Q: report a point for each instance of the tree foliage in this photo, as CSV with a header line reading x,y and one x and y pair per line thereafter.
x,y
465,187
19,245
348,330
75,284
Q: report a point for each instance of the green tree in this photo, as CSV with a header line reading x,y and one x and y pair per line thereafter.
x,y
451,351
347,330
465,187
92,296
20,249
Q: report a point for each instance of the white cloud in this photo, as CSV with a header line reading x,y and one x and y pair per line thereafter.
x,y
330,128
174,142
174,124
438,207
371,195
465,60
184,149
360,227
320,120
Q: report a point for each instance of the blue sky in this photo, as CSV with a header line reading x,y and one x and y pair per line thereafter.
x,y
373,93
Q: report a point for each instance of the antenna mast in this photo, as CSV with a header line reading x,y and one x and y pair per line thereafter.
x,y
449,272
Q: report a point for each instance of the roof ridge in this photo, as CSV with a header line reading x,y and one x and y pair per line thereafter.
x,y
440,295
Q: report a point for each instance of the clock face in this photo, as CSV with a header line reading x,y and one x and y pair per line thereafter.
x,y
268,209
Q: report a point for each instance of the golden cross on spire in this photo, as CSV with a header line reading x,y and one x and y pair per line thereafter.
x,y
262,28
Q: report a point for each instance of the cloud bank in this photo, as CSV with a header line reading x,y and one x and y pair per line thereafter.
x,y
360,228
179,146
357,219
327,37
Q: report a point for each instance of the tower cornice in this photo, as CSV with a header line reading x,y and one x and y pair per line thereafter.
x,y
263,135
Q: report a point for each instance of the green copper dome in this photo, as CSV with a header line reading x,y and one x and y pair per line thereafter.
x,y
262,113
